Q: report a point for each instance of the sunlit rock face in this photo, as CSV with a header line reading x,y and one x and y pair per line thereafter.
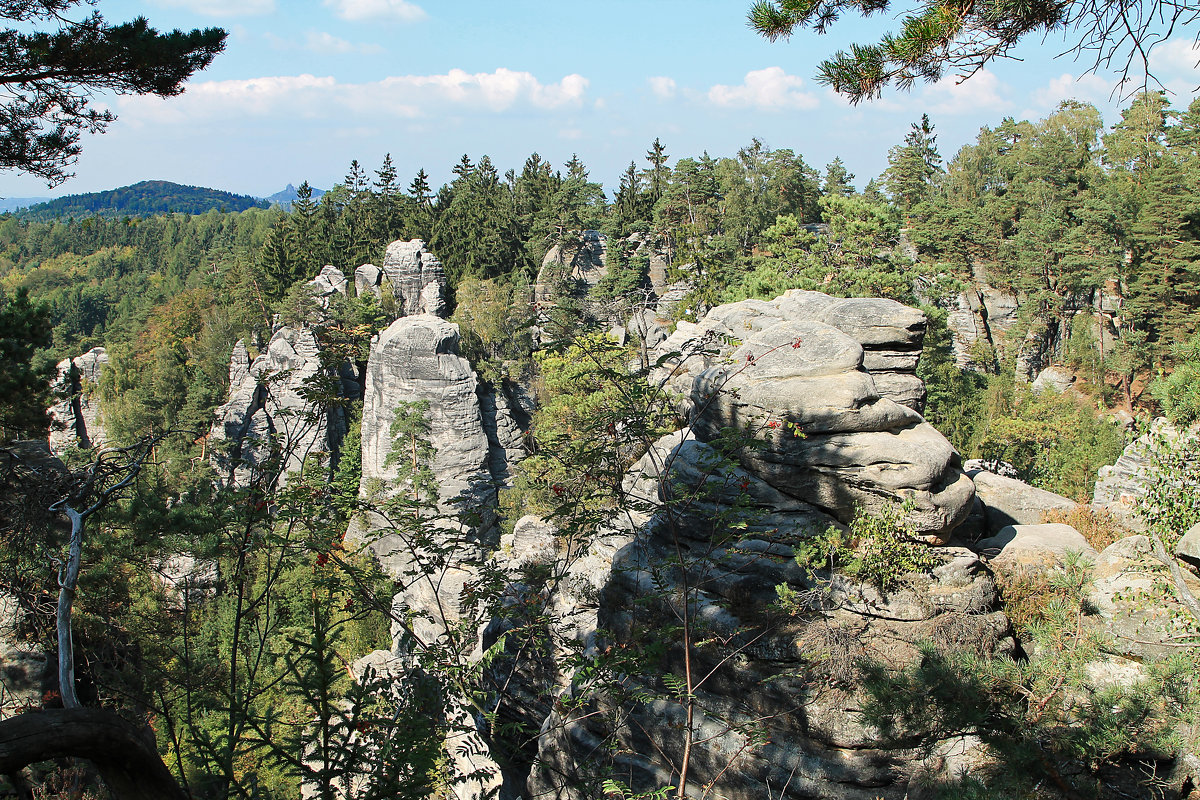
x,y
417,278
75,420
270,413
829,386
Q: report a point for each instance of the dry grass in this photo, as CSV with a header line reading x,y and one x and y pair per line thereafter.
x,y
1099,527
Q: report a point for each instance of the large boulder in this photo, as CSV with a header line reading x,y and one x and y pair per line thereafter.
x,y
416,277
1007,501
270,412
1037,546
76,419
802,373
1136,604
1188,546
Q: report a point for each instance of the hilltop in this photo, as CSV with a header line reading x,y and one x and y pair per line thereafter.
x,y
141,200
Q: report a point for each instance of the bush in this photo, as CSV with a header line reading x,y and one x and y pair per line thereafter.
x,y
880,549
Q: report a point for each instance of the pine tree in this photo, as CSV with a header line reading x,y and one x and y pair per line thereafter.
x,y
658,172
914,167
837,180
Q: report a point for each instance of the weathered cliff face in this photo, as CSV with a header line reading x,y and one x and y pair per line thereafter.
x,y
830,385
415,372
75,420
985,323
269,410
415,275
572,267
759,675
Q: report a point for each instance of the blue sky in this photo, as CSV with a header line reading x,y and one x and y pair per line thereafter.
x,y
307,85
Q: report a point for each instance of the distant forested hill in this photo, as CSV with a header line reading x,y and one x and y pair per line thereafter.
x,y
141,200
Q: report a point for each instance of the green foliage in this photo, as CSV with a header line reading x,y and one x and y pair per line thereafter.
x,y
1043,719
857,258
881,549
594,419
954,397
25,379
1171,503
1055,441
494,319
143,199
412,453
1178,393
914,167
936,36
50,77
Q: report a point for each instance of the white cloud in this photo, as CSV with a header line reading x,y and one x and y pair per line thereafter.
x,y
358,10
769,89
327,43
1087,88
312,97
222,8
952,95
1180,56
662,86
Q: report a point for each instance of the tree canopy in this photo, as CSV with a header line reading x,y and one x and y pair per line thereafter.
x,y
940,36
48,78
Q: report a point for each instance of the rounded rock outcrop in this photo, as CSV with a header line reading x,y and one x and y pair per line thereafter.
x,y
802,374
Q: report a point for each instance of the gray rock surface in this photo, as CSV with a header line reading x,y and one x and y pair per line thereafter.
x,y
76,419
1058,379
239,363
412,362
417,278
1044,544
1121,486
572,267
1008,501
269,412
329,284
367,279
504,424
798,364
1188,547
416,360
1136,604
760,673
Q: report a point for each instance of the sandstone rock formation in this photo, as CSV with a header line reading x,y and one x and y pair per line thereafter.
x,y
269,411
1004,501
329,284
985,326
414,365
760,670
416,277
830,385
572,267
75,420
367,280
